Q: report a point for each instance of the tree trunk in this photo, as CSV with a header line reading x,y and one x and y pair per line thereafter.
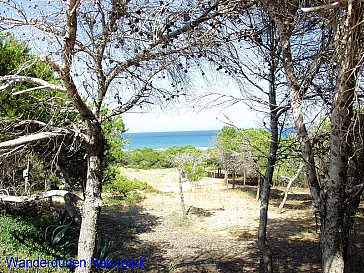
x,y
92,204
226,177
332,223
234,179
258,188
334,237
26,179
266,261
296,101
266,255
181,193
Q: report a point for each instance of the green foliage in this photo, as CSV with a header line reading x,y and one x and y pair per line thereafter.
x,y
105,251
258,141
23,236
229,139
44,106
247,141
194,171
148,158
120,184
175,150
57,233
113,130
37,105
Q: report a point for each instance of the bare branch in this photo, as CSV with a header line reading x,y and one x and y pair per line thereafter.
x,y
29,90
40,82
29,139
326,7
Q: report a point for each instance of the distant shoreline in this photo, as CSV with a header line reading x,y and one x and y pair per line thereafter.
x,y
184,131
164,149
163,140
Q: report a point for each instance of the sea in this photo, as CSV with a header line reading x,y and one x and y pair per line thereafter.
x,y
164,140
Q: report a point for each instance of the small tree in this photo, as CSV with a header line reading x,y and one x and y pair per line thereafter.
x,y
112,55
191,166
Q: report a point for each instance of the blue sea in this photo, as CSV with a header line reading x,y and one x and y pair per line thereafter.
x,y
162,140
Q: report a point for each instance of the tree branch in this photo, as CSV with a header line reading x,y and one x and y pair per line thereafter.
x,y
40,82
326,7
29,139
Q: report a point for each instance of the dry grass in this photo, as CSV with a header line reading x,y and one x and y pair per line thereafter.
x,y
219,234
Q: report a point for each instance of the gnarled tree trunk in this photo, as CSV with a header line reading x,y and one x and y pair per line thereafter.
x,y
333,236
92,204
296,102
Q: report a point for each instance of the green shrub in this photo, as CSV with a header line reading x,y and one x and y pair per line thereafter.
x,y
195,171
22,236
148,158
117,183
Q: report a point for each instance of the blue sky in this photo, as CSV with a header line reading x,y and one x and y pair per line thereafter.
x,y
182,117
211,119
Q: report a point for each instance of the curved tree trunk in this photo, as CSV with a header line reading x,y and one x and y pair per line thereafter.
x,y
334,237
296,101
92,204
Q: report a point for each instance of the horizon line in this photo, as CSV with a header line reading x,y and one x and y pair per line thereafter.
x,y
172,131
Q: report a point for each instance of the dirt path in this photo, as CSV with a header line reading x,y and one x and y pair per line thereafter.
x,y
219,234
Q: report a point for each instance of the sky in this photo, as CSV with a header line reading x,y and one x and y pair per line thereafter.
x,y
191,120
199,119
182,117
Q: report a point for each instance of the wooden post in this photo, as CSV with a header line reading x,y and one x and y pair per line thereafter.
x,y
26,179
181,193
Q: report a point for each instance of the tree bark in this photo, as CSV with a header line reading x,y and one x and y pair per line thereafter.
x,y
29,139
92,204
266,255
70,200
333,236
296,102
257,197
181,193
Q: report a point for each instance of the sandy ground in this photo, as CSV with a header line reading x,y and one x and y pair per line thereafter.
x,y
219,234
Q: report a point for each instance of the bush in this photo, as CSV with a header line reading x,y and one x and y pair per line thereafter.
x,y
195,171
22,236
148,158
117,183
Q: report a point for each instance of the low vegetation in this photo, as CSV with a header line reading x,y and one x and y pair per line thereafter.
x,y
24,236
121,188
148,158
238,151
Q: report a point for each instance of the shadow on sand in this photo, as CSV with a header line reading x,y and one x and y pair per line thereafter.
x,y
294,244
121,225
